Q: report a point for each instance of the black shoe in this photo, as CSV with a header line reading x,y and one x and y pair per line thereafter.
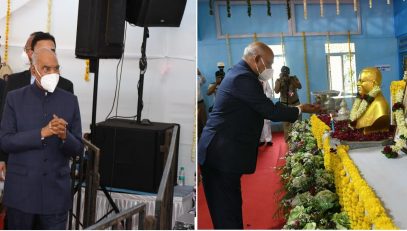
x,y
261,144
269,144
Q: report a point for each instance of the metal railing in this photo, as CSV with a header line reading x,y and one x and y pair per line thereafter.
x,y
123,220
165,195
85,169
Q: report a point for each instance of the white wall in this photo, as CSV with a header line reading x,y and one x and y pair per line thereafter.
x,y
169,86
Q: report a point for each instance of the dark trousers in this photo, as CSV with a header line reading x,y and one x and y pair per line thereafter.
x,y
224,198
17,219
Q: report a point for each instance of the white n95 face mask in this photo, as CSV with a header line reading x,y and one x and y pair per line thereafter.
x,y
266,74
24,58
49,81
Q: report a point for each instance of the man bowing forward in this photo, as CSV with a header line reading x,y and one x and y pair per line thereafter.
x,y
229,142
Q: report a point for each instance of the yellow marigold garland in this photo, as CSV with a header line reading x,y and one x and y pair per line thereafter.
x,y
87,70
395,86
49,16
8,15
357,199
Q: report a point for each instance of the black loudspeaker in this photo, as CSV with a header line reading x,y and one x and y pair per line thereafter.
x,y
131,156
155,13
100,29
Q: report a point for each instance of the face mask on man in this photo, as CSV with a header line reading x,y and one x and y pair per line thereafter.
x,y
24,58
49,81
266,74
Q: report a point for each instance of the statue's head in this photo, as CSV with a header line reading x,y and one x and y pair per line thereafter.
x,y
368,78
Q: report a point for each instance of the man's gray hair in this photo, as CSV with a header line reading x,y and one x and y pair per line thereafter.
x,y
255,48
250,51
38,52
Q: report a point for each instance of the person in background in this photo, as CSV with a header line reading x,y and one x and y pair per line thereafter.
x,y
287,86
41,131
266,136
201,104
228,146
36,40
213,87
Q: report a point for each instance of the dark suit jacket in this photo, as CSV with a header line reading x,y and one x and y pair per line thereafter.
x,y
38,179
22,79
230,138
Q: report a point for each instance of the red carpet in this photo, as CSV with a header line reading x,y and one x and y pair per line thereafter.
x,y
258,189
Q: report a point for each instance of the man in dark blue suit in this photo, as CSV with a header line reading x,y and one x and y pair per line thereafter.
x,y
228,145
36,40
41,130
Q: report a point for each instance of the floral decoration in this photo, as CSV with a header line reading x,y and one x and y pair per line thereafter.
x,y
249,8
356,198
268,8
397,91
310,201
210,7
362,102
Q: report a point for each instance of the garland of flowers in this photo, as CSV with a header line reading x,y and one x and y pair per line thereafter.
x,y
321,5
357,199
228,8
268,8
210,7
49,16
288,10
305,10
350,65
8,14
229,50
282,48
397,92
87,70
249,8
304,43
361,103
395,87
337,7
328,41
318,129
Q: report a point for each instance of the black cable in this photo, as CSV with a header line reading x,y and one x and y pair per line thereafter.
x,y
115,90
121,68
117,78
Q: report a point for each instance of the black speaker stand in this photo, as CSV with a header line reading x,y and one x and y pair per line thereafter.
x,y
143,68
94,68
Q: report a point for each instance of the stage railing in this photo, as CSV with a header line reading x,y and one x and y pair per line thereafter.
x,y
123,220
165,195
85,169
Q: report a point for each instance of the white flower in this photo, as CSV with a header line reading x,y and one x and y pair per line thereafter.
x,y
360,106
400,122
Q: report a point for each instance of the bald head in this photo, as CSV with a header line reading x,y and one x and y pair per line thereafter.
x,y
258,56
43,54
257,48
44,62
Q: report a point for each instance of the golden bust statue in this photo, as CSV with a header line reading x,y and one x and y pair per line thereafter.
x,y
370,110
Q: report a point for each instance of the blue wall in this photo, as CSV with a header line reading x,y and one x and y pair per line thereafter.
x,y
376,45
400,27
400,17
